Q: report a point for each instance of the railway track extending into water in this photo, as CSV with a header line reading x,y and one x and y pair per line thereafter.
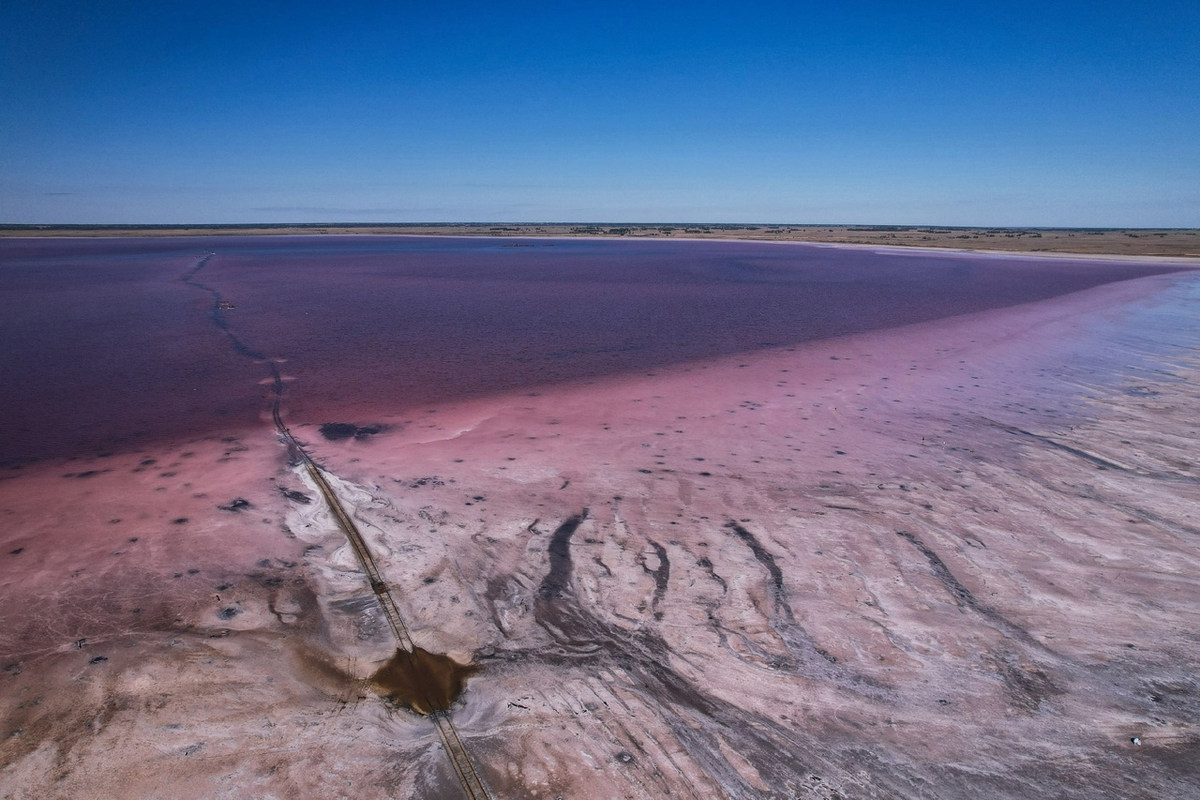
x,y
460,758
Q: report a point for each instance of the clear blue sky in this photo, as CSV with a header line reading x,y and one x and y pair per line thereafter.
x,y
998,113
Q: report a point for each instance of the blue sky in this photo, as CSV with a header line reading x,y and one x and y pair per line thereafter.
x,y
998,113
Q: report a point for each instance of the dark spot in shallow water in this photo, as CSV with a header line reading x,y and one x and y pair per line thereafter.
x,y
229,613
422,681
236,504
340,431
337,431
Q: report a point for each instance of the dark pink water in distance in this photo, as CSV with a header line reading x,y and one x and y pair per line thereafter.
x,y
105,348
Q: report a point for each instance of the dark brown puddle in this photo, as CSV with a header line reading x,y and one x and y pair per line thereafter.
x,y
422,681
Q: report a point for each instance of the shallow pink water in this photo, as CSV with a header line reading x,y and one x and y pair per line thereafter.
x,y
108,350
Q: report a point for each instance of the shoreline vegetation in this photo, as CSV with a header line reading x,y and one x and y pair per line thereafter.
x,y
1168,242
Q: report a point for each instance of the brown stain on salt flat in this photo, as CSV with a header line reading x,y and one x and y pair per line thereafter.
x,y
422,681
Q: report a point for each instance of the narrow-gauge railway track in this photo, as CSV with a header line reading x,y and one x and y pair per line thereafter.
x,y
460,759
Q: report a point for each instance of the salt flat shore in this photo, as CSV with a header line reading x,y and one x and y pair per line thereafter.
x,y
956,558
1121,242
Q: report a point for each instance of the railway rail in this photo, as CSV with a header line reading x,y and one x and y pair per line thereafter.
x,y
460,759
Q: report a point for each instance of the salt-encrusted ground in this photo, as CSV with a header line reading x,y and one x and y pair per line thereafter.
x,y
947,560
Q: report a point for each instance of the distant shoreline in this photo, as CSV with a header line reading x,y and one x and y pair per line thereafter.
x,y
1113,242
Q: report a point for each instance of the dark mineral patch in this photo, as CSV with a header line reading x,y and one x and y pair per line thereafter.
x,y
340,431
423,681
337,431
295,497
559,550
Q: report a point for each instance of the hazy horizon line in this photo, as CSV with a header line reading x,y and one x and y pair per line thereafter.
x,y
618,224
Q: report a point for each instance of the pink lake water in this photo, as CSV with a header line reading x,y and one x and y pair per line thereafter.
x,y
106,349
